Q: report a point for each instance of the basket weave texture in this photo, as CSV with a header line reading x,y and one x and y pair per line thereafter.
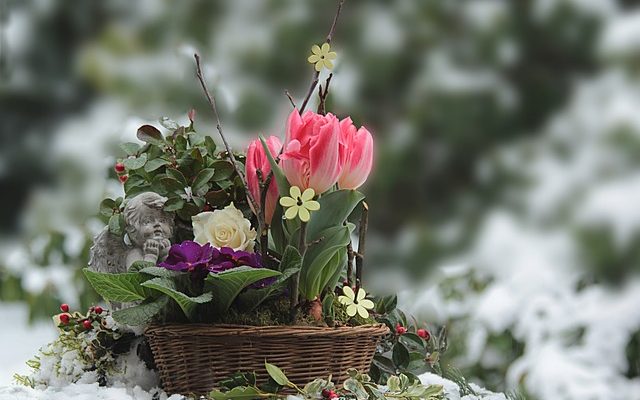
x,y
192,358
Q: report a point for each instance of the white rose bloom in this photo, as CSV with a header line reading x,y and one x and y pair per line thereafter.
x,y
224,228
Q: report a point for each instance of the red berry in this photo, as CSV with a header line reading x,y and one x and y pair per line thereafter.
x,y
64,307
64,318
400,330
86,324
326,393
119,167
423,333
123,178
332,394
98,310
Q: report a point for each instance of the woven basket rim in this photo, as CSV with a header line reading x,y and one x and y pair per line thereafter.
x,y
263,331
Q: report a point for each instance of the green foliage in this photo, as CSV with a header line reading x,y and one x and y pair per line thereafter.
x,y
123,287
358,386
227,285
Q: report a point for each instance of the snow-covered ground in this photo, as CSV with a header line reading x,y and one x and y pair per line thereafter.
x,y
19,342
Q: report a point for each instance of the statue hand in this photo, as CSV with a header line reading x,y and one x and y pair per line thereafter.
x,y
152,248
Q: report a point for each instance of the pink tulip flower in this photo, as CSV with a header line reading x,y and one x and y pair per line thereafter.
x,y
257,159
359,155
313,151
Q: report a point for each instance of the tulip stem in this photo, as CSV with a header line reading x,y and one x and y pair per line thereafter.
x,y
212,103
263,226
316,74
364,221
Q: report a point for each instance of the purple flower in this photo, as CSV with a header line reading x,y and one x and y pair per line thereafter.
x,y
226,258
187,256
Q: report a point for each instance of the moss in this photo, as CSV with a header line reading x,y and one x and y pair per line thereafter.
x,y
341,318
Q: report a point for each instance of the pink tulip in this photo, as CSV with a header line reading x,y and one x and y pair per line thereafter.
x,y
313,152
359,155
257,159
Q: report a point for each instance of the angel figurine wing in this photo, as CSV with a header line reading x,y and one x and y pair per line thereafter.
x,y
108,253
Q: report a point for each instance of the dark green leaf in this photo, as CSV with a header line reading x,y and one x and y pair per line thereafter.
x,y
188,211
171,185
202,179
173,204
160,272
281,180
107,207
223,170
178,176
400,355
250,299
155,163
210,145
217,198
150,134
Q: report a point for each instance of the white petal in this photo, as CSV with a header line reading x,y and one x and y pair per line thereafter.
x,y
349,292
352,310
363,312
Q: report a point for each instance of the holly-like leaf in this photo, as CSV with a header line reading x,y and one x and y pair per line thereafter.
x,y
150,134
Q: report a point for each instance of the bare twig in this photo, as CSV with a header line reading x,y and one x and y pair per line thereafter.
x,y
322,94
293,103
316,74
263,226
362,234
212,103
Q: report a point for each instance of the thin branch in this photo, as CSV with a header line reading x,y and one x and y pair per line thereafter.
x,y
350,256
212,103
293,103
362,237
316,74
262,218
322,94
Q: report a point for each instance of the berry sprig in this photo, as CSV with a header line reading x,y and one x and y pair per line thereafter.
x,y
77,321
121,171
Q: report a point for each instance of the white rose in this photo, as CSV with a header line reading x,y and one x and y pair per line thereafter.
x,y
224,228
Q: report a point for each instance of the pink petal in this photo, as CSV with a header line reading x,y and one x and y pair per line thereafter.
x,y
324,157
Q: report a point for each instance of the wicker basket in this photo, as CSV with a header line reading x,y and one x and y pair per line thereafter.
x,y
192,358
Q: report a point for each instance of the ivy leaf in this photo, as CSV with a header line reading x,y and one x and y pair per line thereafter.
x,y
356,388
277,375
155,163
135,163
124,288
150,134
187,304
202,179
141,314
228,284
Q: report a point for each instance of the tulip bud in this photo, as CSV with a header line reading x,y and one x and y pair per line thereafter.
x,y
257,160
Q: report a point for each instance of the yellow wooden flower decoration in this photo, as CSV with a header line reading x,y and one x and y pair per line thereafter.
x,y
322,56
356,304
299,204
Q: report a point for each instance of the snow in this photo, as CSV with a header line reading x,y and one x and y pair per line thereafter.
x,y
19,343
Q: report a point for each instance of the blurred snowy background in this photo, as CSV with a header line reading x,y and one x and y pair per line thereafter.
x,y
506,199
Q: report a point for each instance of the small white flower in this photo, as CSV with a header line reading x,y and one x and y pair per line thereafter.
x,y
356,304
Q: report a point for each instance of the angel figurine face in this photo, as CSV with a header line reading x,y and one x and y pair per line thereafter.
x,y
148,227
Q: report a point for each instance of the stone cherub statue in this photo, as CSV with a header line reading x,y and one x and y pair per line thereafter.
x,y
148,233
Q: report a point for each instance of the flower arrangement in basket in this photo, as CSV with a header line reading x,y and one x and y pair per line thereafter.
x,y
230,259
